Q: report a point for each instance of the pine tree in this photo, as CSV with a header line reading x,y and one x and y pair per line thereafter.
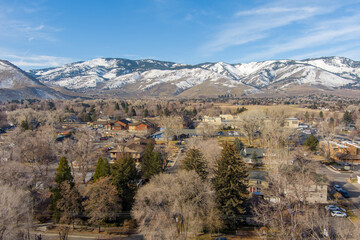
x,y
152,162
230,186
124,175
321,114
133,112
239,146
194,160
123,105
24,125
102,169
312,143
63,174
145,113
347,118
117,107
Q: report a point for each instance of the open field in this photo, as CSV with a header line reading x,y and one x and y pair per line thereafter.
x,y
291,110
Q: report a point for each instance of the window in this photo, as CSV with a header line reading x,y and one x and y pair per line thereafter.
x,y
258,181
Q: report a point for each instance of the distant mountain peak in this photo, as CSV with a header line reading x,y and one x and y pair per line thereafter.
x,y
142,77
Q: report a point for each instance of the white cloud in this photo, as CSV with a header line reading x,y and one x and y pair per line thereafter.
x,y
37,61
263,11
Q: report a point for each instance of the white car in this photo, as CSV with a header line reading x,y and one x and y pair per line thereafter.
x,y
338,214
332,208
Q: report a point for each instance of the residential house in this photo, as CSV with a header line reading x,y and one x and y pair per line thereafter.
x,y
342,151
118,125
134,149
184,133
257,181
143,127
249,153
291,123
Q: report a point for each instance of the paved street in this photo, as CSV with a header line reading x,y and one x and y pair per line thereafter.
x,y
341,179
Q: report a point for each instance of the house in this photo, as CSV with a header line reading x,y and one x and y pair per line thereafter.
x,y
143,127
118,125
135,150
184,133
257,181
249,153
342,151
291,123
99,124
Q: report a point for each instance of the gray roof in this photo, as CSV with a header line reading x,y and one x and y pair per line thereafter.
x,y
257,175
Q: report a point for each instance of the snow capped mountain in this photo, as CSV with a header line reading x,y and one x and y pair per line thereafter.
x,y
140,76
17,84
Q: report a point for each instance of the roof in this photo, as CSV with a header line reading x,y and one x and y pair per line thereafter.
x,y
260,152
257,175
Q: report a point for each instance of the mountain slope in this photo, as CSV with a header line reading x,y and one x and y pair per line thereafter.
x,y
16,84
159,78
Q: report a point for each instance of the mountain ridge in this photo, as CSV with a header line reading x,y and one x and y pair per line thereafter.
x,y
16,84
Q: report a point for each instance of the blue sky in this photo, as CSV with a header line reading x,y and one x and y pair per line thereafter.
x,y
40,33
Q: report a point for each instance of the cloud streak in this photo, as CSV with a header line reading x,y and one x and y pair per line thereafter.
x,y
37,61
282,27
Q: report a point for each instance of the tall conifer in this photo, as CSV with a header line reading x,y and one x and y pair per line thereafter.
x,y
230,186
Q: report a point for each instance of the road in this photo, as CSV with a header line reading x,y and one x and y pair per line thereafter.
x,y
341,179
176,160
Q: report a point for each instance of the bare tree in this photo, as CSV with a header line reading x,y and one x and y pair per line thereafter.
x,y
210,148
183,200
14,211
103,203
172,126
85,153
249,123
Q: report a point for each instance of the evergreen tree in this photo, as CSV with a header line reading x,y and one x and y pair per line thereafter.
x,y
24,125
347,118
152,162
321,114
194,160
307,116
117,107
123,105
63,174
239,146
133,112
145,113
312,143
124,175
230,186
102,169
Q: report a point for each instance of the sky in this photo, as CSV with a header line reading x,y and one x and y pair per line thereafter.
x,y
49,33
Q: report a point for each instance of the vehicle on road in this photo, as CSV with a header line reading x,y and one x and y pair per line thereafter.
x,y
345,194
338,214
337,188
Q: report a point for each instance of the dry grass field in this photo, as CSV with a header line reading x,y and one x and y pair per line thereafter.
x,y
291,110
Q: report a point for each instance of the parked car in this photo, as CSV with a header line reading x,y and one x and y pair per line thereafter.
x,y
345,194
337,188
332,208
338,214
